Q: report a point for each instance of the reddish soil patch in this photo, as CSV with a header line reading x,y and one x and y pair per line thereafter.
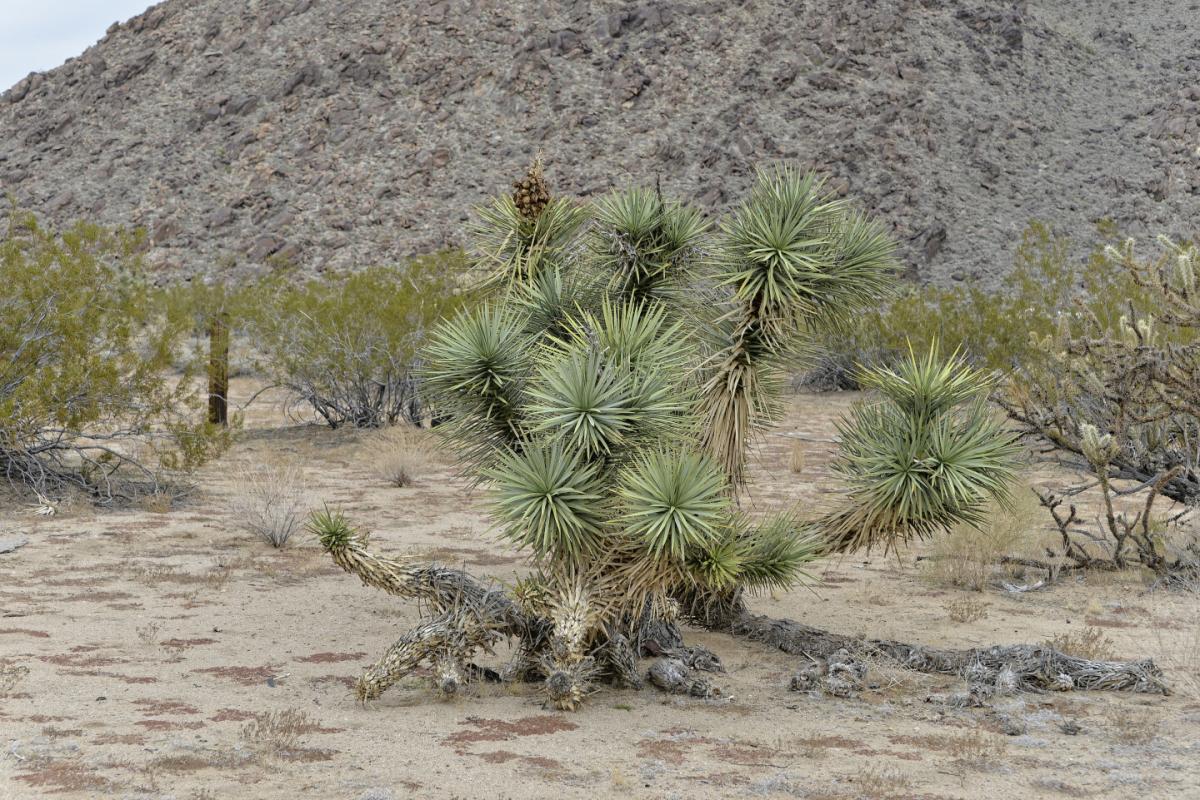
x,y
831,741
120,738
330,658
494,730
61,733
663,750
26,632
88,580
66,776
96,673
1104,622
344,680
184,643
231,715
747,755
184,763
502,756
95,597
43,719
168,725
161,707
246,676
308,755
81,660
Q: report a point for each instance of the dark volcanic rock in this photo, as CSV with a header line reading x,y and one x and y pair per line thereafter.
x,y
340,133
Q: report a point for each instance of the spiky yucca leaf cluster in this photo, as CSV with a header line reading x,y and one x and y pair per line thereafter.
x,y
646,247
792,256
925,455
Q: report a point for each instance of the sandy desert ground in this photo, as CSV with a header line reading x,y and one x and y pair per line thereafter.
x,y
154,639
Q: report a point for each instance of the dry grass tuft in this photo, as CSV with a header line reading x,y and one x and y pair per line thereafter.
x,y
976,750
269,502
968,557
148,633
1089,643
796,458
967,609
1134,728
878,783
400,454
276,732
1179,655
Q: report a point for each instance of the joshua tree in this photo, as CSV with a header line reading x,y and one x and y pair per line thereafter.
x,y
606,393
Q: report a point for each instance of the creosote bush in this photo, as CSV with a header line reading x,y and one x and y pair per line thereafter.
x,y
991,327
89,394
347,346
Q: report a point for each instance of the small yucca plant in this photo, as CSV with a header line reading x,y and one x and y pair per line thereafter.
x,y
606,395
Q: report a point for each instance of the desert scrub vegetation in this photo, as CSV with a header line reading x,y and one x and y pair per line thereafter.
x,y
605,393
988,553
346,346
90,398
275,733
1121,401
400,454
1042,292
269,500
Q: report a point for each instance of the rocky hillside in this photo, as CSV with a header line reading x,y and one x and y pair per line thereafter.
x,y
338,133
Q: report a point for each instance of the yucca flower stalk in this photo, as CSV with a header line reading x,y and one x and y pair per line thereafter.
x,y
520,236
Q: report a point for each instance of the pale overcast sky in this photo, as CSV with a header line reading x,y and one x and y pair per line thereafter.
x,y
37,35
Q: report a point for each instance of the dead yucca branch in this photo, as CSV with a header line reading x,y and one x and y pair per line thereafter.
x,y
270,501
400,454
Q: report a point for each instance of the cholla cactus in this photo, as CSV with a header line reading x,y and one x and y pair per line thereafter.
x,y
1126,397
1099,449
606,395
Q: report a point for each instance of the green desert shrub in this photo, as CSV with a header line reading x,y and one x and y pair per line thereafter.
x,y
993,328
347,346
89,391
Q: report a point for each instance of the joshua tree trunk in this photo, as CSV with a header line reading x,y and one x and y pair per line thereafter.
x,y
467,617
1022,666
218,370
